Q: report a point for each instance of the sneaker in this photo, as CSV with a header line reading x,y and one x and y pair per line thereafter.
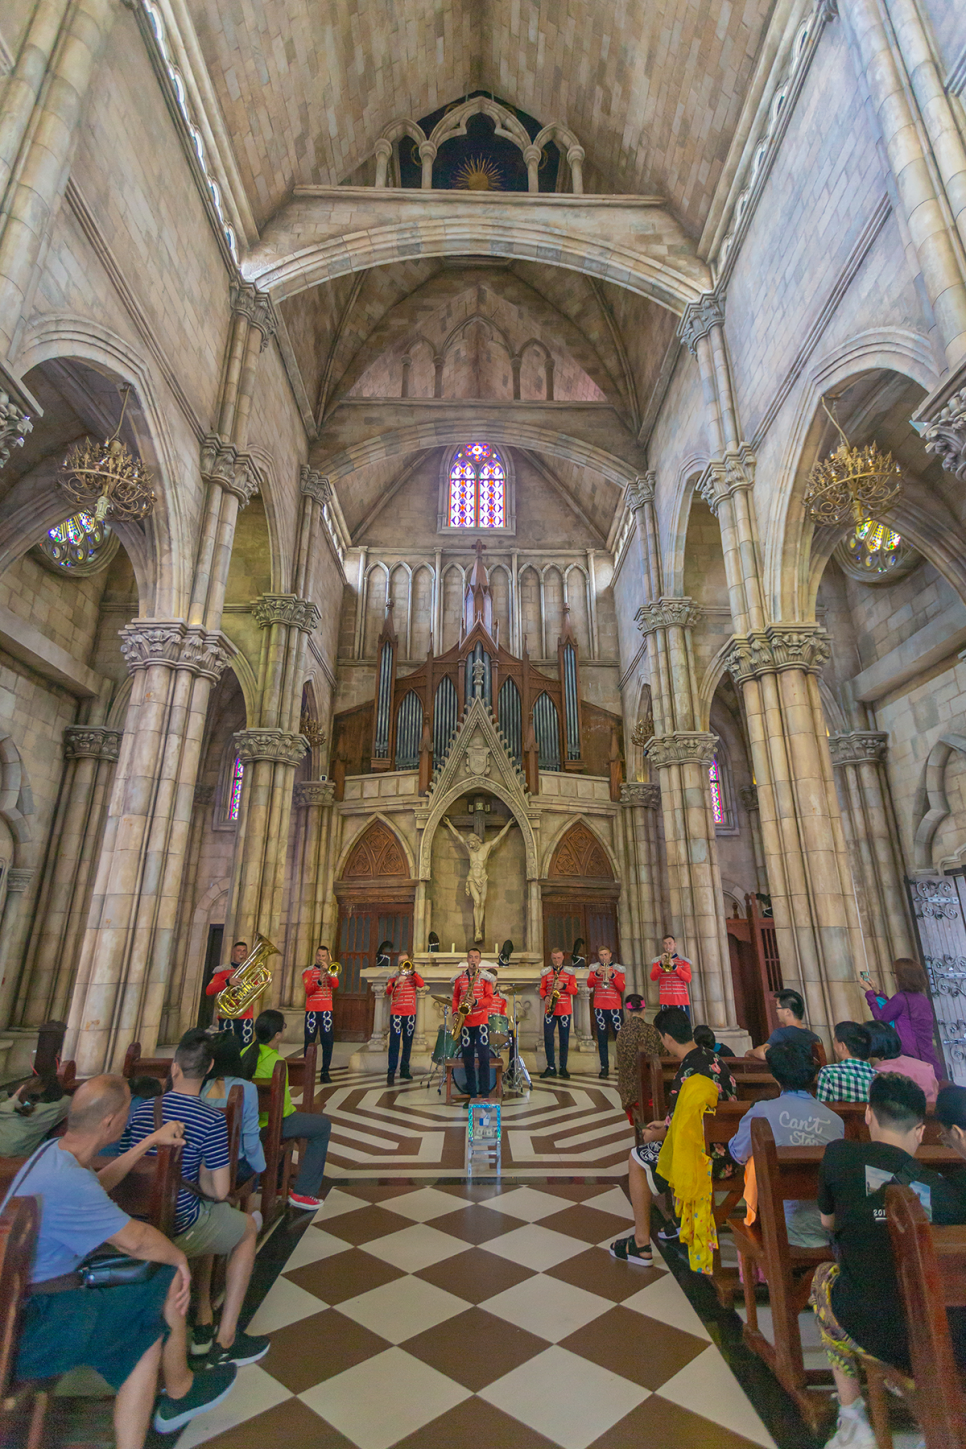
x,y
247,1348
207,1390
627,1251
258,1219
564,1073
549,1072
303,1202
853,1431
202,1337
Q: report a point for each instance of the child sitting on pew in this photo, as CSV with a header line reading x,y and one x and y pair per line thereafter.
x,y
847,1079
856,1298
796,1120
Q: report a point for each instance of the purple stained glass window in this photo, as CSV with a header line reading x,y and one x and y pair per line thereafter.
x,y
717,798
235,789
477,488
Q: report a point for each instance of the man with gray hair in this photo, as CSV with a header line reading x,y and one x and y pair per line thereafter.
x,y
126,1331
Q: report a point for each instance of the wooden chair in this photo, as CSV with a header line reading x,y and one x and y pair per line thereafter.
x,y
931,1268
278,1151
19,1225
137,1066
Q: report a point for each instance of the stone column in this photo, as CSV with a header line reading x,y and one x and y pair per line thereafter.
x,y
43,106
641,802
581,1028
90,754
181,1009
872,836
420,1040
18,880
313,799
380,1015
270,757
748,794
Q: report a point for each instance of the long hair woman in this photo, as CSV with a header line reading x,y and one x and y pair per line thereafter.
x,y
909,1012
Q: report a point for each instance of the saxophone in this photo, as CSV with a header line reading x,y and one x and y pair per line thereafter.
x,y
554,996
465,1006
250,980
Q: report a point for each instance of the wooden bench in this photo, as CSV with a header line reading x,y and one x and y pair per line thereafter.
x,y
931,1268
496,1069
278,1150
149,1190
789,1173
137,1066
19,1225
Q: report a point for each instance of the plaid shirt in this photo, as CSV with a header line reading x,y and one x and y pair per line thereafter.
x,y
846,1081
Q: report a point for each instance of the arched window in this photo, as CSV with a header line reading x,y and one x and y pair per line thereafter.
x,y
235,789
717,797
82,544
477,488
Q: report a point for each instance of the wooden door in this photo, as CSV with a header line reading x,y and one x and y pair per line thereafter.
x,y
565,920
362,929
939,911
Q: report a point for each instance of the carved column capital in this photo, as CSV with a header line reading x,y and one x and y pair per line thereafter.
x,y
724,476
944,435
315,484
699,318
779,647
641,490
667,613
91,742
286,609
748,795
685,747
181,646
15,424
222,463
281,747
19,878
643,793
259,309
313,792
858,747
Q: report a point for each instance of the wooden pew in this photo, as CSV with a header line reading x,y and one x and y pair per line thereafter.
x,y
789,1173
301,1078
278,1152
137,1066
931,1267
19,1225
150,1188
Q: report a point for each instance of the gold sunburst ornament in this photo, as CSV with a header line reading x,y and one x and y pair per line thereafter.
x,y
478,174
851,485
106,479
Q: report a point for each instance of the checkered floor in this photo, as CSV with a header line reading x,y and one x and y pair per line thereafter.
x,y
429,1316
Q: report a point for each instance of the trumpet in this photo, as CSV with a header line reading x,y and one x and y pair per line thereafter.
x,y
333,968
406,968
667,961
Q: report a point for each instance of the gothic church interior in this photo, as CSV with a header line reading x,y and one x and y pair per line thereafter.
x,y
481,472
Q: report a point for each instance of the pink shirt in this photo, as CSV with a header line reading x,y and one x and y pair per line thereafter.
x,y
920,1072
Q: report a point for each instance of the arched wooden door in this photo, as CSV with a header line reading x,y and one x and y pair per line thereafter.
x,y
375,895
580,895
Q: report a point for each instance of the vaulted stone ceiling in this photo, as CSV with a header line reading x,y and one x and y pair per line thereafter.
x,y
652,88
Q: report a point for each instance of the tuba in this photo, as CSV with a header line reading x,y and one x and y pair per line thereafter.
x,y
251,979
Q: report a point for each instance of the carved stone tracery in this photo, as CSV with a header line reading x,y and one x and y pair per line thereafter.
x,y
377,854
580,853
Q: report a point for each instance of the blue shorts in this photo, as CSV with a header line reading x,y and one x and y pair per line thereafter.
x,y
107,1329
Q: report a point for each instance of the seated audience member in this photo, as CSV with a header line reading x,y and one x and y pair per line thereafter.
x,y
204,1223
951,1116
635,1036
645,1183
259,1061
705,1037
790,1010
856,1298
126,1331
908,1011
847,1079
141,1089
797,1120
885,1054
225,1072
32,1109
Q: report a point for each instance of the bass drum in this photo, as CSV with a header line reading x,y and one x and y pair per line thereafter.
x,y
459,1075
499,1029
446,1048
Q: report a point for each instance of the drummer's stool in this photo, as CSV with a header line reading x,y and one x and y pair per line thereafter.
x,y
496,1069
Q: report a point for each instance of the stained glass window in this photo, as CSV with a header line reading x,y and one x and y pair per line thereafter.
x,y
477,488
873,546
79,544
717,798
235,789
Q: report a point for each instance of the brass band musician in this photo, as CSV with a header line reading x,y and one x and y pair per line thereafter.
x,y
244,1025
606,981
558,987
319,981
401,989
673,973
472,994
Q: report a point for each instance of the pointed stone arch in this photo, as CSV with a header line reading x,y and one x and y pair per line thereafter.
x,y
580,853
376,854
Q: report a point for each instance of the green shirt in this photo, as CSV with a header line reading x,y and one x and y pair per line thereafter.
x,y
264,1068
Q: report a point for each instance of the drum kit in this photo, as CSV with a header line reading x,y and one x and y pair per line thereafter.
x,y
502,1033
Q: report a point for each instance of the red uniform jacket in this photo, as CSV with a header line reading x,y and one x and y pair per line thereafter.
x,y
607,994
319,985
218,982
402,990
482,996
498,1006
674,984
567,985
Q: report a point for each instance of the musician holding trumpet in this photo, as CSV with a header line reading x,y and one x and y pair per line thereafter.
x,y
606,981
319,981
673,973
401,989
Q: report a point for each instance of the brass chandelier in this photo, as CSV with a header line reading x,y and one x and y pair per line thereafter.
x,y
106,479
851,485
312,730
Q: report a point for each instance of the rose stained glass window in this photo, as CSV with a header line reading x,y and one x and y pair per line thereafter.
x,y
477,488
235,789
81,544
717,798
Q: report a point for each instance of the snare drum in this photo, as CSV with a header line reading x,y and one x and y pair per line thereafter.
x,y
499,1029
446,1048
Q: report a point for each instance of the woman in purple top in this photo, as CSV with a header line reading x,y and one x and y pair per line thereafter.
x,y
909,1012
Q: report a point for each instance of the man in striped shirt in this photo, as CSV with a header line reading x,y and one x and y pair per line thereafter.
x,y
401,990
847,1079
204,1223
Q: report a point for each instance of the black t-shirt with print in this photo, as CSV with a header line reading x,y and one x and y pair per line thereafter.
x,y
865,1296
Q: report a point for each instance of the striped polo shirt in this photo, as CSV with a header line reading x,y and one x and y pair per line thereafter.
x,y
205,1141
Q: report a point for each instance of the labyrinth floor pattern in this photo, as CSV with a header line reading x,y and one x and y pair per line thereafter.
x,y
563,1129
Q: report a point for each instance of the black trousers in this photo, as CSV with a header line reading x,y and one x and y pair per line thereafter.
x,y
401,1028
243,1029
606,1016
475,1042
563,1022
320,1022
